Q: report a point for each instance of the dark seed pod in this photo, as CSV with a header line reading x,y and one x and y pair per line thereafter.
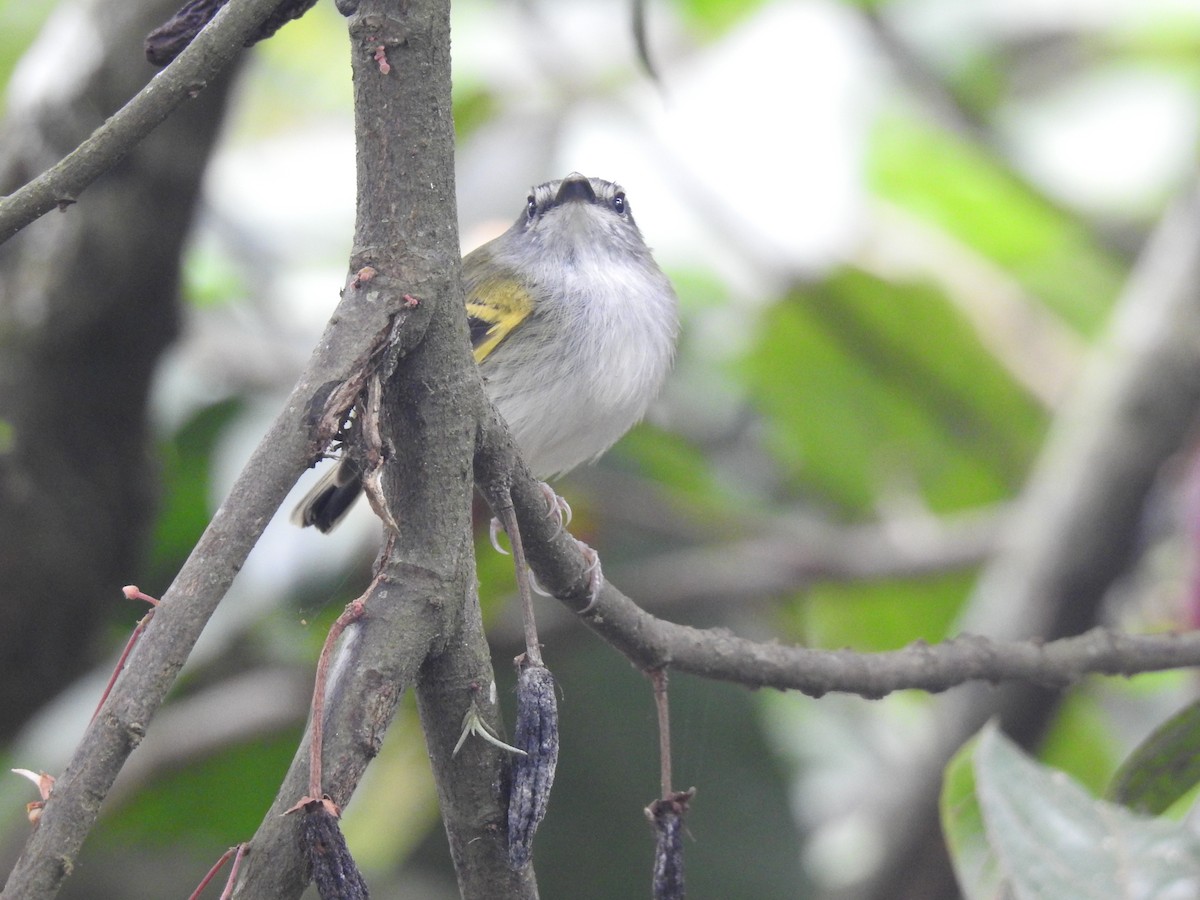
x,y
334,871
532,774
666,817
172,37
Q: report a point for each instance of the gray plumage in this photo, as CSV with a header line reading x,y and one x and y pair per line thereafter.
x,y
574,326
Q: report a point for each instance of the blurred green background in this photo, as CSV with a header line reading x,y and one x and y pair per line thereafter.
x,y
895,229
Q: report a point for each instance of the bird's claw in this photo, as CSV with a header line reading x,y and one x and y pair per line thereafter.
x,y
594,573
494,536
556,508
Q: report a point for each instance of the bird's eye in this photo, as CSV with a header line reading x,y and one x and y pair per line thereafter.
x,y
531,206
618,203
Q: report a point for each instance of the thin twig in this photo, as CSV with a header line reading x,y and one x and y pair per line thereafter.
x,y
133,593
662,704
231,881
508,518
212,872
650,642
208,56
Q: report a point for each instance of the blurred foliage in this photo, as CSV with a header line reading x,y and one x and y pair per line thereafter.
x,y
1090,762
185,507
303,62
880,615
218,800
868,385
967,192
1169,40
19,23
852,390
398,779
715,17
472,108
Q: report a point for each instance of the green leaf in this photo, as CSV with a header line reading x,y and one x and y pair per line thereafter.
x,y
973,197
1053,840
218,799
975,864
870,385
1164,767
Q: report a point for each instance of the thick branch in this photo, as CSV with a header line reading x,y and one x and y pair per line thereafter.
x,y
209,55
423,626
472,806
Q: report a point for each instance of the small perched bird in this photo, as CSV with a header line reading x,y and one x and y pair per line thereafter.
x,y
573,326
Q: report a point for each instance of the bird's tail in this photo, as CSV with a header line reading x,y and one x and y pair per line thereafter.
x,y
331,498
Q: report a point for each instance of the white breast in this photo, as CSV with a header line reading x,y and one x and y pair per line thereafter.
x,y
580,373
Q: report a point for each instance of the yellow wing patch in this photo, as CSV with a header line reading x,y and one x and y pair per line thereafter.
x,y
494,319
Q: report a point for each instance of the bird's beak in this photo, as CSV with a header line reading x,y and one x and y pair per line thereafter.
x,y
575,187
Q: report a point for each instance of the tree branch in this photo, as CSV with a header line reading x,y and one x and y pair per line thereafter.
x,y
422,626
210,54
653,643
285,451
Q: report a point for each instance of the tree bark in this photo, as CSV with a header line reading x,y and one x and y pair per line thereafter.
x,y
422,626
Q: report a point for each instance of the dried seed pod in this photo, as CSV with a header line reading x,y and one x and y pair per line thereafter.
x,y
533,773
666,816
334,871
172,37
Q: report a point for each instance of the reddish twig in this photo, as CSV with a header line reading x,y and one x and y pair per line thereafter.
x,y
239,850
132,592
231,881
352,613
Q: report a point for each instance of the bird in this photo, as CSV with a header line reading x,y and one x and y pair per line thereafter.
x,y
573,326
